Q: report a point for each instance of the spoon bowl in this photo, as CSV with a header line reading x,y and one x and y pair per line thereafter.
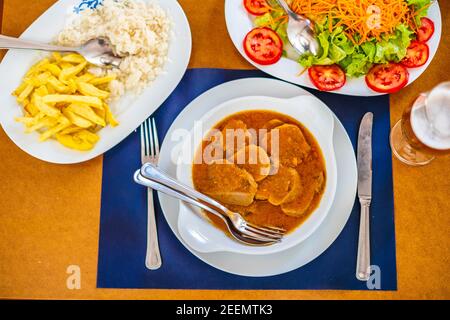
x,y
300,32
98,51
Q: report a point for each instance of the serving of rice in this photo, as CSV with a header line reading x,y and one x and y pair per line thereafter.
x,y
139,31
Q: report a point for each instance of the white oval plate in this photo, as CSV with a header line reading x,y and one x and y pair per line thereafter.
x,y
239,24
326,233
199,233
131,111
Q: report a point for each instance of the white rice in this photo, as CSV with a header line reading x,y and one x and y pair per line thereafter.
x,y
138,30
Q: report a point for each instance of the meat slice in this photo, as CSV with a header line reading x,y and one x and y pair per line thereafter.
x,y
230,184
302,202
269,125
253,159
236,135
292,145
280,188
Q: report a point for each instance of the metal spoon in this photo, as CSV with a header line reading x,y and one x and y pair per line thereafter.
x,y
97,51
299,31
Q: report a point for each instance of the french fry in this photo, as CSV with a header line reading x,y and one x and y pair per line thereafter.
x,y
71,72
63,123
87,77
25,93
90,90
92,101
54,69
109,116
73,58
76,119
103,80
87,112
58,85
45,108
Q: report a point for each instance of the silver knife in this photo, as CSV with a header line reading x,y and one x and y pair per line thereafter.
x,y
364,195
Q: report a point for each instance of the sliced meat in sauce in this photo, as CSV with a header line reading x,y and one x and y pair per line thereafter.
x,y
301,203
279,193
253,159
229,184
236,135
280,188
292,146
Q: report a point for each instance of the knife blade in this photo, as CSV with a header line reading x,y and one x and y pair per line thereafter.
x,y
364,158
365,196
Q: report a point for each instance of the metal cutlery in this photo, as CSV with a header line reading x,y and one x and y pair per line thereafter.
x,y
97,51
364,161
150,154
243,231
299,31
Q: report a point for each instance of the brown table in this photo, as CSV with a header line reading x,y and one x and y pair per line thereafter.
x,y
49,214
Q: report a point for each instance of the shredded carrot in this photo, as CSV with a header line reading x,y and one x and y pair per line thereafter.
x,y
361,19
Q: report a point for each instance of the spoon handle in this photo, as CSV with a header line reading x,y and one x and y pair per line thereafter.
x,y
15,43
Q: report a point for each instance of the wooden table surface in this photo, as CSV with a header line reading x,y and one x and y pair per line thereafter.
x,y
49,214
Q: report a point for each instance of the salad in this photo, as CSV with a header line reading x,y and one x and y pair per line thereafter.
x,y
378,39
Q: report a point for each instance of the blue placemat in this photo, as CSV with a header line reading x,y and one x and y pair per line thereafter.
x,y
122,244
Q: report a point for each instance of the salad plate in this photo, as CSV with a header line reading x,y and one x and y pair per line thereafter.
x,y
131,110
277,263
240,22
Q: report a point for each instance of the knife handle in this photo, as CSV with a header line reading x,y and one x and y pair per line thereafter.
x,y
363,260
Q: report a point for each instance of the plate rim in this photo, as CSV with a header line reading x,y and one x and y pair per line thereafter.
x,y
164,200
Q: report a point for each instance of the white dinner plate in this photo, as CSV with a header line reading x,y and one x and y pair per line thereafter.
x,y
326,233
130,110
239,23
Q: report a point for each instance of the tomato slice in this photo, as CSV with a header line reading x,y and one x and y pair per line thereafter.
x,y
426,29
256,7
263,46
327,78
387,78
416,55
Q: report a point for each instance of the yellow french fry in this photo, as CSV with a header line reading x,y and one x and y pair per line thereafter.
x,y
39,80
91,101
82,140
58,85
73,58
25,93
87,77
110,117
103,80
87,112
71,83
57,56
76,119
54,69
90,90
41,123
71,72
31,109
63,123
45,108
70,130
41,91
19,89
37,67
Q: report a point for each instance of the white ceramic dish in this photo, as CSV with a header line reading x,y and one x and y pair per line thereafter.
x,y
199,233
131,111
239,24
297,256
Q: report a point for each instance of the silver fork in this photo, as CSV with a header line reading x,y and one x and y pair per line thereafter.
x,y
243,231
150,154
